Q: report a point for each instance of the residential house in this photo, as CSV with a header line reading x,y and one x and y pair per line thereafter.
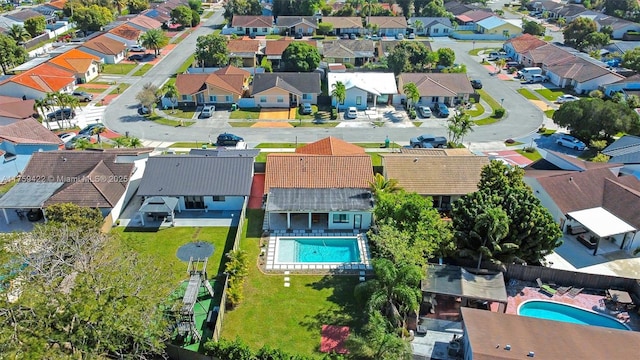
x,y
363,89
592,195
24,14
570,12
125,33
222,88
38,82
473,17
13,109
384,47
144,23
452,173
625,150
431,26
102,179
290,25
109,50
457,8
285,89
85,66
546,6
345,24
160,14
496,26
274,49
216,184
519,45
388,25
618,26
581,74
627,87
252,25
354,52
6,23
323,185
55,5
494,335
244,49
450,89
19,140
545,54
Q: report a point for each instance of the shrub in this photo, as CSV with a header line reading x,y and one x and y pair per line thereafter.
x,y
348,65
600,158
334,113
498,113
412,114
529,149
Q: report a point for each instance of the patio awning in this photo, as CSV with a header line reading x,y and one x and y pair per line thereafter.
x,y
29,195
601,222
443,279
456,281
296,199
488,287
159,204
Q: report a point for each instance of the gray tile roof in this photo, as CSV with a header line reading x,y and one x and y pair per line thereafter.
x,y
296,199
224,152
179,175
625,150
298,83
289,21
29,195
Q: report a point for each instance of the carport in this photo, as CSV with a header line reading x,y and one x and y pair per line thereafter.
x,y
159,206
28,195
604,224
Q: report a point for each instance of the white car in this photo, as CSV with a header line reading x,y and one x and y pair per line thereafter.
x,y
351,113
570,142
65,137
566,98
137,48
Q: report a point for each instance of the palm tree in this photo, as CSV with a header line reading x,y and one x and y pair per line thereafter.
x,y
121,141
378,341
382,185
412,93
418,25
19,33
82,143
339,92
119,5
458,126
172,93
51,99
134,142
42,105
500,63
492,226
154,39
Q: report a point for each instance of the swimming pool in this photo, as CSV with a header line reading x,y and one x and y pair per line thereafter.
x,y
551,310
318,250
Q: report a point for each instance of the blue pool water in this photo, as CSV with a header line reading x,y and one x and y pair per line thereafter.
x,y
318,250
551,310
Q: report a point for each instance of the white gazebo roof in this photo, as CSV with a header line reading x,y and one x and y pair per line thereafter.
x,y
601,222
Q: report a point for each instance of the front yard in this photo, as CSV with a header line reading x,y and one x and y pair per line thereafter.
x,y
245,114
117,69
551,95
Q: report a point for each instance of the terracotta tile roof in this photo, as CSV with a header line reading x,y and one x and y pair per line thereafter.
x,y
146,22
277,47
58,4
330,146
525,42
344,22
437,84
126,31
232,70
229,78
16,108
28,131
243,46
446,175
388,22
44,78
105,45
252,21
318,171
75,60
94,178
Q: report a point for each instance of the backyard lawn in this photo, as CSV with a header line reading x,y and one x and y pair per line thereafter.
x,y
288,318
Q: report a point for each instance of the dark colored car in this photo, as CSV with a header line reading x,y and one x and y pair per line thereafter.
x,y
297,36
136,57
90,129
227,139
476,84
252,36
440,110
62,114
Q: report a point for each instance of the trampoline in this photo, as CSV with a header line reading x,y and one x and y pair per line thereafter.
x,y
195,250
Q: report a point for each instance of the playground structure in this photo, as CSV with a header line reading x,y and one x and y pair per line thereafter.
x,y
197,270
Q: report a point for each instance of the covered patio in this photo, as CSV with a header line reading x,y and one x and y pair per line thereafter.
x,y
159,207
27,196
601,224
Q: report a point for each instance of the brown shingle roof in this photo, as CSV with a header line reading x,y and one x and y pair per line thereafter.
x,y
105,45
344,22
434,174
488,332
126,31
437,84
277,47
16,108
548,54
28,131
525,42
330,146
579,70
318,171
252,21
229,78
243,46
146,22
388,22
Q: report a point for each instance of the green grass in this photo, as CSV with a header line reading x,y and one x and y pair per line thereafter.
x,y
246,114
278,145
494,105
550,95
516,143
477,51
241,124
548,38
118,69
376,159
547,132
479,110
533,156
164,121
186,64
188,145
143,70
186,114
318,124
377,145
90,90
301,116
417,123
120,89
288,318
273,37
6,187
549,113
528,94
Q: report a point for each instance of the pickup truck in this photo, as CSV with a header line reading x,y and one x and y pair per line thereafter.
x,y
428,141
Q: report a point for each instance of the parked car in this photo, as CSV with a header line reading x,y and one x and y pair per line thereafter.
x,y
345,36
400,36
62,114
143,110
570,142
375,37
353,36
476,84
566,98
207,111
428,141
440,110
495,55
91,129
536,79
351,113
71,144
137,48
83,96
424,111
252,36
411,36
514,64
306,109
226,139
298,36
65,137
136,57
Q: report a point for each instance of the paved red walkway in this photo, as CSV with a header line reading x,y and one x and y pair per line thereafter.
x,y
512,157
257,192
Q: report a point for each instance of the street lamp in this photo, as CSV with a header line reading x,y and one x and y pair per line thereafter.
x,y
501,102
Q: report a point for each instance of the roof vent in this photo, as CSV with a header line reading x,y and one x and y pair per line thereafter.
x,y
64,159
507,347
531,354
570,178
415,160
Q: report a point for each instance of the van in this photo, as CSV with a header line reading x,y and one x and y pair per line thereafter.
x,y
528,71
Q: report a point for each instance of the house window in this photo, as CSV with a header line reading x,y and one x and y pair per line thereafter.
x,y
306,96
446,203
219,198
228,98
434,99
213,98
88,74
445,30
255,30
239,28
264,30
186,97
280,99
358,100
436,30
263,99
346,60
340,218
193,202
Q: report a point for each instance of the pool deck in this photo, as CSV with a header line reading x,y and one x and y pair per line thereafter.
x,y
363,246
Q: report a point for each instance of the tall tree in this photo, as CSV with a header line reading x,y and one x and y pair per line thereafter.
x,y
154,39
171,91
405,5
575,34
411,92
148,96
35,25
137,6
459,125
211,50
18,33
411,56
339,92
181,14
533,28
491,227
300,57
91,18
241,7
378,341
446,57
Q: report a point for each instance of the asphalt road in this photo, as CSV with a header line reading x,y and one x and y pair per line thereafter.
x,y
522,118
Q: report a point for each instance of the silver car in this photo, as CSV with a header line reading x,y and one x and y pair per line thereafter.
x,y
424,111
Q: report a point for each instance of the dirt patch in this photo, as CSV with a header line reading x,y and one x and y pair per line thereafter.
x,y
272,124
107,99
541,105
274,114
